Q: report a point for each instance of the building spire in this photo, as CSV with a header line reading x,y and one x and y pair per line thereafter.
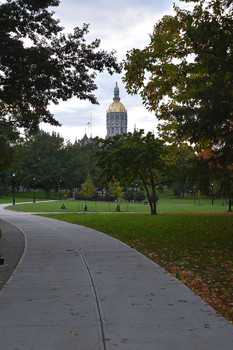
x,y
116,93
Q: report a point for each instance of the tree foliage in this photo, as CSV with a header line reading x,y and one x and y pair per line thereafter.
x,y
114,189
180,159
75,166
39,64
43,160
54,164
131,157
88,188
185,75
212,172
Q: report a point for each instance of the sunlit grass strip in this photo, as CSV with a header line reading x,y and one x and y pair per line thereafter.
x,y
78,206
197,249
164,205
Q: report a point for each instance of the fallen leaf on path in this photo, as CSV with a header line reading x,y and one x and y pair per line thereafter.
x,y
124,340
74,332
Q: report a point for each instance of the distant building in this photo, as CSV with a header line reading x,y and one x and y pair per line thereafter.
x,y
116,118
84,141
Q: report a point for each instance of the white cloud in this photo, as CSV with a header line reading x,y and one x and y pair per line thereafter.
x,y
120,25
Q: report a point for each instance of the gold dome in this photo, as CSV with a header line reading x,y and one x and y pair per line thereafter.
x,y
116,106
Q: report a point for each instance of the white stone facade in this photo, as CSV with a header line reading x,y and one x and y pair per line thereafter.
x,y
116,118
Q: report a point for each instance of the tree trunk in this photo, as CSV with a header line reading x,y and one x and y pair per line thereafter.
x,y
153,208
153,201
153,212
47,190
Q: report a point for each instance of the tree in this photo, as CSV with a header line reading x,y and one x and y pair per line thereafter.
x,y
180,158
215,175
39,64
131,157
185,75
114,189
129,194
7,153
139,196
88,188
75,166
44,161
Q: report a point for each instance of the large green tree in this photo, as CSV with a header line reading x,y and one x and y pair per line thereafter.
x,y
75,167
6,150
78,163
131,157
180,158
43,161
185,75
39,64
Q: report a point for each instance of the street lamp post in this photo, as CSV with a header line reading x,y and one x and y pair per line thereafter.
x,y
60,188
13,188
212,193
34,190
194,194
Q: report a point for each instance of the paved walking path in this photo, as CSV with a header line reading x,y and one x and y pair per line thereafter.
x,y
77,288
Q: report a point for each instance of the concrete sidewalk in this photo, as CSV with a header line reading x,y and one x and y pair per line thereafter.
x,y
77,288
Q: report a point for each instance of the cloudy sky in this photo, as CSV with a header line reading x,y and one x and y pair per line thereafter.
x,y
120,25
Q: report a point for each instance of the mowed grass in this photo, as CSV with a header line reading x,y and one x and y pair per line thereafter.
x,y
27,196
197,249
165,205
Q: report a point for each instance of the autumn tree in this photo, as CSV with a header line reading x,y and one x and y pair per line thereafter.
x,y
215,175
132,157
40,64
87,188
114,189
185,75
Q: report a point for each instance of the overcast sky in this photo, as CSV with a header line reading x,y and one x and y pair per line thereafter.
x,y
120,25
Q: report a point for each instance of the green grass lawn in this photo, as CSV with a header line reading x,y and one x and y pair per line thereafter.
x,y
164,205
197,249
27,196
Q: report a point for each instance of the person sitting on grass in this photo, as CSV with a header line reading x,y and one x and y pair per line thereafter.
x,y
63,206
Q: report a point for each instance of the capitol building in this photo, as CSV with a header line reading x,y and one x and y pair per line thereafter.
x,y
116,118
